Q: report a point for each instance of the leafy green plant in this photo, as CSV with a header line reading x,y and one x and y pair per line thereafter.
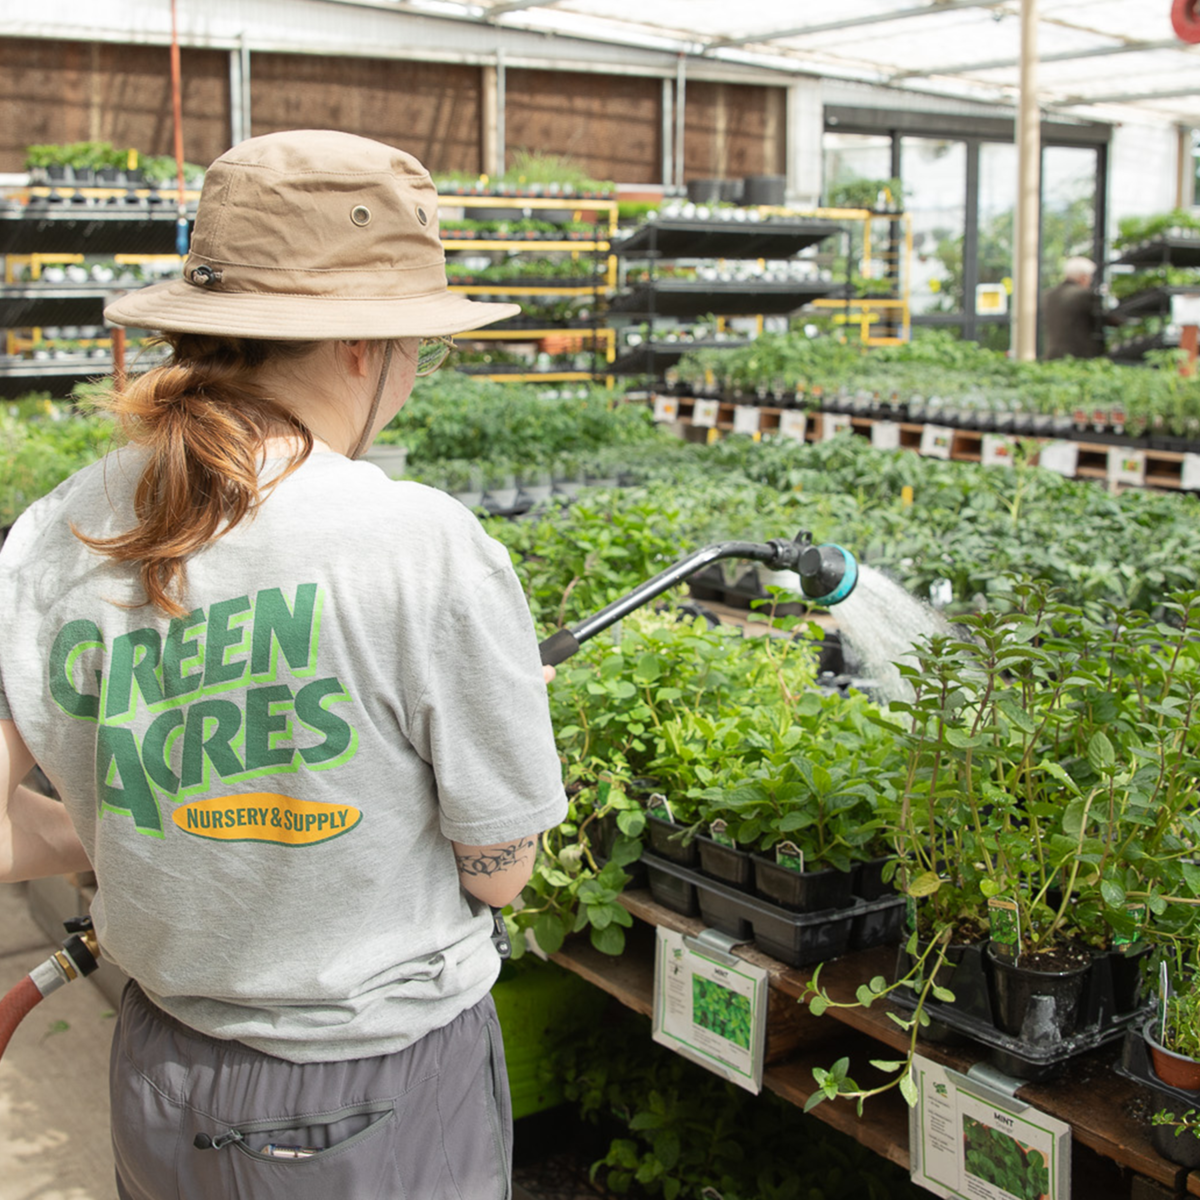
x,y
1187,1122
673,1129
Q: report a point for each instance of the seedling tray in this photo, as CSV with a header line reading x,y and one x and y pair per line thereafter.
x,y
1135,1064
1039,1052
798,939
667,841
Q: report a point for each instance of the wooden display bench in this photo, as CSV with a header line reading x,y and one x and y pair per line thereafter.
x,y
1112,1157
1164,468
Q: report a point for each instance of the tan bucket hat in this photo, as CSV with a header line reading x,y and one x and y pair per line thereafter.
x,y
312,234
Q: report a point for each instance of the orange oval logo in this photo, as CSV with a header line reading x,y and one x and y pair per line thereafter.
x,y
265,817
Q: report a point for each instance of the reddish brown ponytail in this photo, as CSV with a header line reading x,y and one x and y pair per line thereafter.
x,y
203,418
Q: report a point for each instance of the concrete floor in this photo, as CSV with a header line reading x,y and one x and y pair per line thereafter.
x,y
54,1140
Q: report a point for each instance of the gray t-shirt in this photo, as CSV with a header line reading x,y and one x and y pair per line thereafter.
x,y
268,787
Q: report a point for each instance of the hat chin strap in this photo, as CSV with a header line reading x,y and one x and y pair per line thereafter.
x,y
364,438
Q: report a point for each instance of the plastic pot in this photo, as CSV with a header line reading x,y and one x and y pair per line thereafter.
x,y
1183,1149
666,840
726,863
1175,1070
802,891
868,879
1037,1006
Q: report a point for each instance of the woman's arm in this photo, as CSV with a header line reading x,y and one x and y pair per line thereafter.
x,y
496,874
36,835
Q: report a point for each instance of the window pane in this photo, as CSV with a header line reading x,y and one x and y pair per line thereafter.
x,y
1068,207
934,172
852,158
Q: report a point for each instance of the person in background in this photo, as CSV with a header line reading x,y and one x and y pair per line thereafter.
x,y
1072,322
294,710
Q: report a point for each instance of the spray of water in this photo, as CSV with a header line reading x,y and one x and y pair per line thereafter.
x,y
880,624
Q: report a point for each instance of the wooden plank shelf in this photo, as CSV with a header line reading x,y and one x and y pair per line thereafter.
x,y
1164,468
1112,1147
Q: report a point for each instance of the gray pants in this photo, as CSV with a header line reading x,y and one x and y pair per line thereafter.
x,y
432,1122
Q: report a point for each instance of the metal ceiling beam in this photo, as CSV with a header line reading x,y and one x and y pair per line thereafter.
x,y
1118,98
996,64
895,14
498,10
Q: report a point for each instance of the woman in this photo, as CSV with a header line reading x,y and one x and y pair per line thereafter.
x,y
294,710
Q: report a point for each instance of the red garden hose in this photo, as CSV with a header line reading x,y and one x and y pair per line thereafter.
x,y
1185,17
79,956
14,1008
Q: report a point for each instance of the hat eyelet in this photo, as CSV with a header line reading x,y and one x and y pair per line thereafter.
x,y
422,217
360,214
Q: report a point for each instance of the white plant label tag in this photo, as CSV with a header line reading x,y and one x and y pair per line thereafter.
x,y
793,424
704,413
711,1007
834,423
997,451
789,855
885,435
1190,477
666,408
937,441
1126,465
1185,310
969,1141
719,832
746,418
1060,457
658,806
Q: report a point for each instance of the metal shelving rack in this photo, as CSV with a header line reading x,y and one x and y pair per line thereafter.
x,y
600,283
51,226
1165,251
773,235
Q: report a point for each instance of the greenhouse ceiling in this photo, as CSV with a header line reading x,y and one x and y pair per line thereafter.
x,y
1099,59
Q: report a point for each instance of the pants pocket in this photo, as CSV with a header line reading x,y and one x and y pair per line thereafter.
x,y
306,1156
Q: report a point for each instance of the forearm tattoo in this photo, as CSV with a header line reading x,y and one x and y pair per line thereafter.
x,y
493,862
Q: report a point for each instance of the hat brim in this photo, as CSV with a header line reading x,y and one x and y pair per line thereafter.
x,y
182,307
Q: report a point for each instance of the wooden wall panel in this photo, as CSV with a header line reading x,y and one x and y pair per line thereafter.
x,y
611,124
57,91
734,130
432,110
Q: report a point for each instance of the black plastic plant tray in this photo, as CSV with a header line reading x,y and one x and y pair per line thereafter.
x,y
726,864
1036,1057
878,922
674,237
696,298
1135,1064
89,231
797,939
666,840
671,886
23,305
1178,251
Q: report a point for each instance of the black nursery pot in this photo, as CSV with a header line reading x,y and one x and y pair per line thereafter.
x,y
1184,1149
726,863
868,879
1038,1006
802,891
666,840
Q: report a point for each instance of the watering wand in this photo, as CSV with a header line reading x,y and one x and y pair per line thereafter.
x,y
79,955
827,573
